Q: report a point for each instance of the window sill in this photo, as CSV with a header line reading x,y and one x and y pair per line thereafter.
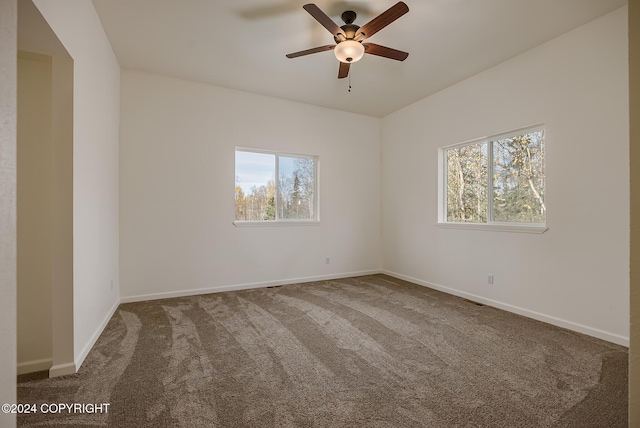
x,y
496,227
279,223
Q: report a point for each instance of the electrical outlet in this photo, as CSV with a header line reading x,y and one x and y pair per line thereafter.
x,y
490,278
327,260
111,288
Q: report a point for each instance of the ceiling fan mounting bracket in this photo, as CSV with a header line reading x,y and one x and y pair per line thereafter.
x,y
348,16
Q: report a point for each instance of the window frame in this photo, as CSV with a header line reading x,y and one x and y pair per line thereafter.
x,y
490,225
282,222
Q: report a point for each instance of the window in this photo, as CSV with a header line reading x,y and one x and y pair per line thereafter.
x,y
497,181
275,187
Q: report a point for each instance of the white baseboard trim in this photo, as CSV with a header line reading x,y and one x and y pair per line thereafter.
x,y
246,286
87,347
570,325
34,365
62,369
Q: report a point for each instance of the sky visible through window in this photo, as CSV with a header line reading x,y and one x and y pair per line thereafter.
x,y
254,169
257,169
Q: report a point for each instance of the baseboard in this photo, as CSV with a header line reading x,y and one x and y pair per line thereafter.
x,y
580,328
34,366
87,347
62,369
245,286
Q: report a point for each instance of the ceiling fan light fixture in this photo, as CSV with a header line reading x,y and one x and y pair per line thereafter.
x,y
349,51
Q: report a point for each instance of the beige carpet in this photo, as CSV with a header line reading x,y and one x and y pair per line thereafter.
x,y
370,351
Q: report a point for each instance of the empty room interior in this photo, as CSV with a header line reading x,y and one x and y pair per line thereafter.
x,y
221,222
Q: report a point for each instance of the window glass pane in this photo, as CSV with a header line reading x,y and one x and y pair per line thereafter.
x,y
296,188
518,179
467,183
255,186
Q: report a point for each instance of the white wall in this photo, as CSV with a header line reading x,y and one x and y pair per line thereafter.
x,y
8,111
62,214
576,274
177,150
96,101
35,36
634,155
35,228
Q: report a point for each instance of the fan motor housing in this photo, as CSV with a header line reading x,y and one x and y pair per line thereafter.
x,y
350,30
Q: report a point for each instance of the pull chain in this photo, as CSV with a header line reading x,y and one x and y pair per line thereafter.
x,y
349,82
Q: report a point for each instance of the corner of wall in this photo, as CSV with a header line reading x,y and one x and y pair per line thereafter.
x,y
634,146
8,112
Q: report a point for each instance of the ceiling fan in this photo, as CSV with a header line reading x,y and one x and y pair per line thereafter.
x,y
349,47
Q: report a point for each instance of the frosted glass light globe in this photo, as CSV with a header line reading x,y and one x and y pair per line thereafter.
x,y
349,51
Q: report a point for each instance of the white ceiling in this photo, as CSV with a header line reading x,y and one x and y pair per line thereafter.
x,y
242,44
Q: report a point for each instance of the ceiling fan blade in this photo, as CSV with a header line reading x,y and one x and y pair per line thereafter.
x,y
373,49
382,20
324,20
343,71
311,51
